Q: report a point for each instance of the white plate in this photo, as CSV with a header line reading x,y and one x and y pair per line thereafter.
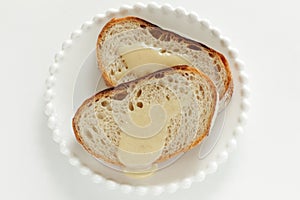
x,y
74,77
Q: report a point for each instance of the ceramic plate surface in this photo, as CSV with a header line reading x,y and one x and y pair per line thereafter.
x,y
74,76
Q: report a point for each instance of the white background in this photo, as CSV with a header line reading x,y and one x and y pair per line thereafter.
x,y
266,163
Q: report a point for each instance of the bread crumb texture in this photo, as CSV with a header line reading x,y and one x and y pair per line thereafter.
x,y
187,96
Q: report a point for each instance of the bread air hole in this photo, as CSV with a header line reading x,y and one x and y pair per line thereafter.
x,y
102,142
168,97
118,133
201,88
138,94
104,103
88,134
114,140
186,121
94,129
218,67
100,116
181,90
131,108
194,47
170,79
163,51
109,108
112,72
139,104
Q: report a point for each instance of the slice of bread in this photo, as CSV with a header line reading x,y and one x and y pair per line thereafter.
x,y
155,117
120,49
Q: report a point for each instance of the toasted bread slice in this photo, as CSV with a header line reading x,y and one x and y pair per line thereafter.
x,y
148,120
128,43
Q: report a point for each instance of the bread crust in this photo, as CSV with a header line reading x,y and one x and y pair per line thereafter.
x,y
228,84
111,91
